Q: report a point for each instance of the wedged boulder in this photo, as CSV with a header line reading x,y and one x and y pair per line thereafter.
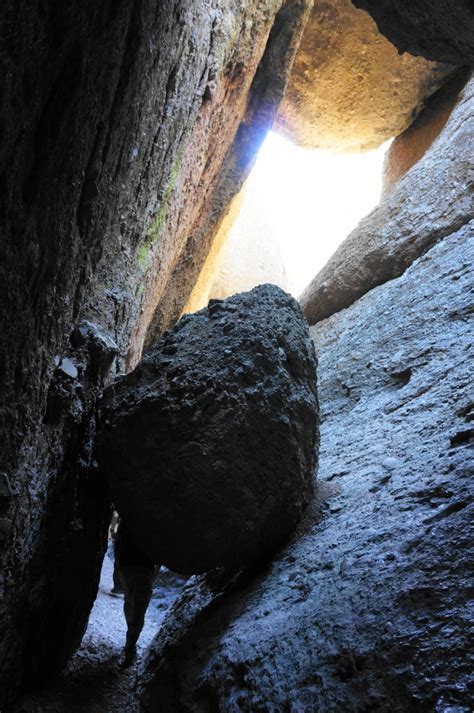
x,y
367,608
441,30
431,201
210,444
349,88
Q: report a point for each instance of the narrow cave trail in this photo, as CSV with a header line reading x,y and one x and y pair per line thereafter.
x,y
95,680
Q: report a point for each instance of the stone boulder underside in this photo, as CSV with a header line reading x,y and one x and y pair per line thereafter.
x,y
349,88
367,609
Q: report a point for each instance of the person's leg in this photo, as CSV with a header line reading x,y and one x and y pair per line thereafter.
x,y
137,597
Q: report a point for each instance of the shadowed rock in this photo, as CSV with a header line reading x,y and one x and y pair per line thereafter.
x,y
210,444
441,30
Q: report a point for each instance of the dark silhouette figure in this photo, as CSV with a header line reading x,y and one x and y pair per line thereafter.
x,y
136,573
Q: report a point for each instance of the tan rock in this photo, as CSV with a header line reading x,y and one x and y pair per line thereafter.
x,y
432,201
200,295
349,88
244,254
409,147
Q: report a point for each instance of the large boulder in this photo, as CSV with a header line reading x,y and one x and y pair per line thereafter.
x,y
367,609
431,201
349,88
210,443
442,30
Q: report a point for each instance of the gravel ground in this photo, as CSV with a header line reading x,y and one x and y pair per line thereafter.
x,y
95,681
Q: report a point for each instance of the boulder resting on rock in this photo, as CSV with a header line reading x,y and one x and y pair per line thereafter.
x,y
210,444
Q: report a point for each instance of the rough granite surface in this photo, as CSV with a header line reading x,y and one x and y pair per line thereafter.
x,y
370,606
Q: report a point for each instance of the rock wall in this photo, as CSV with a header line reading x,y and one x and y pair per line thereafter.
x,y
349,88
367,606
433,200
115,122
248,89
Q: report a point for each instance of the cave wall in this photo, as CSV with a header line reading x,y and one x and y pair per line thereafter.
x,y
116,119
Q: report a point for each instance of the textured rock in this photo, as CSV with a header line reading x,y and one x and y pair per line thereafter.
x,y
412,144
113,130
210,444
441,30
431,201
367,608
349,89
199,296
254,43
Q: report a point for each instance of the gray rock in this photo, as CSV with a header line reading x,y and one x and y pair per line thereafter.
x,y
367,608
210,444
431,201
442,30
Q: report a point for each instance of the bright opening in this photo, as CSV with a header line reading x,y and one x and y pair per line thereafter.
x,y
298,207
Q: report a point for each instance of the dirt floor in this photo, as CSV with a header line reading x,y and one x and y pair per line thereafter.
x,y
95,680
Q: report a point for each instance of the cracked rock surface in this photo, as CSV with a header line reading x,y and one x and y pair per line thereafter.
x,y
367,608
210,444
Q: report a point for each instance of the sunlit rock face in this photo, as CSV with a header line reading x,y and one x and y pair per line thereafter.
x,y
210,444
433,200
441,30
349,88
367,608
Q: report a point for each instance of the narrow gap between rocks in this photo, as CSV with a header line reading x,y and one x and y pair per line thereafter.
x,y
298,206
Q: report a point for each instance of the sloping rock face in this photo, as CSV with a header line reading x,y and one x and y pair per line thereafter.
x,y
367,609
349,88
210,443
116,118
441,30
431,201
